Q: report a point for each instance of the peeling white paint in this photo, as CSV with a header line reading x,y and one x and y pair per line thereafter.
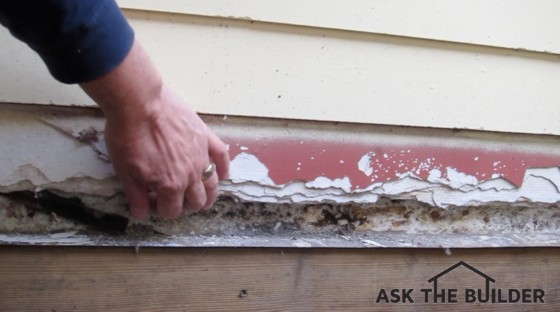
x,y
325,183
35,153
551,174
535,189
247,168
458,179
434,176
41,151
453,178
496,175
364,164
455,189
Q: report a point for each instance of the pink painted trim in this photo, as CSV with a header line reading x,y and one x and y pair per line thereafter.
x,y
290,160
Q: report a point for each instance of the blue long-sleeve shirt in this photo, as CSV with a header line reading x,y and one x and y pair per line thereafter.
x,y
79,40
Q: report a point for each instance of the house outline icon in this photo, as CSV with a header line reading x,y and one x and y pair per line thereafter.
x,y
487,278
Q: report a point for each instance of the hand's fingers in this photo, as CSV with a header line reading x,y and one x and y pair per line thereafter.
x,y
170,201
152,200
137,198
219,154
211,187
195,196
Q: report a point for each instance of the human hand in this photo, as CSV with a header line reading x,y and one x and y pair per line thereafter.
x,y
165,155
158,145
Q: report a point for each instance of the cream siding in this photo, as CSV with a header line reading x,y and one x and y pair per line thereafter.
x,y
436,68
515,24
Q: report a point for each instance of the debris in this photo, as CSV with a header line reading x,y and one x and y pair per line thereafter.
x,y
63,234
89,136
301,243
55,217
243,293
345,237
372,243
342,222
277,227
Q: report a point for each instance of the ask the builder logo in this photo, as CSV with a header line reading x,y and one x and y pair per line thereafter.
x,y
437,294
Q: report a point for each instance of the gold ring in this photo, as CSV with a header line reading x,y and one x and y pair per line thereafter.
x,y
208,172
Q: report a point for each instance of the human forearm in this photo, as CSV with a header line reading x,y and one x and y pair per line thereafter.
x,y
78,40
158,145
160,148
131,91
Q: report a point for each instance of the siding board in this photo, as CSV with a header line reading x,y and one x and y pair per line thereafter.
x,y
501,23
228,66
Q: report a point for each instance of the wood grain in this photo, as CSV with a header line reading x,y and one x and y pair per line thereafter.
x,y
195,279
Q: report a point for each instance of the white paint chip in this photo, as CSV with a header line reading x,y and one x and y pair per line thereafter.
x,y
364,164
247,167
325,183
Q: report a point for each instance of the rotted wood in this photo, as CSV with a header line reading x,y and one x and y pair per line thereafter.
x,y
71,208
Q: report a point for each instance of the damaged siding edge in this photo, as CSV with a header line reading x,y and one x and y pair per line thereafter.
x,y
338,184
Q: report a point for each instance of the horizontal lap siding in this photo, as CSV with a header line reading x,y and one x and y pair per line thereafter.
x,y
518,24
340,69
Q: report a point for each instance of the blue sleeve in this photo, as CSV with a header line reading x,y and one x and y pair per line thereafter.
x,y
79,40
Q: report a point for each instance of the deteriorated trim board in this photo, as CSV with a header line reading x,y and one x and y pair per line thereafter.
x,y
222,279
280,161
392,224
448,243
296,178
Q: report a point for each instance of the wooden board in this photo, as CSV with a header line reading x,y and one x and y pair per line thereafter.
x,y
195,279
226,66
501,23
